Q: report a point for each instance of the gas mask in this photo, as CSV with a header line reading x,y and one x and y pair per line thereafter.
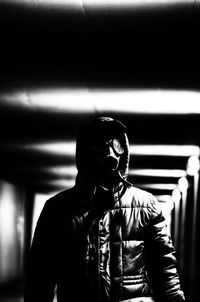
x,y
106,153
102,153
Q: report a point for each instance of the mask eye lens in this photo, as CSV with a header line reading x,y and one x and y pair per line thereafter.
x,y
117,146
102,147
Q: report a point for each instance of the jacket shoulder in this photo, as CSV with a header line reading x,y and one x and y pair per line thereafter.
x,y
138,198
59,201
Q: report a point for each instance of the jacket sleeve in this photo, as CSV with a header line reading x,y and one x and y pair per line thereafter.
x,y
161,258
41,268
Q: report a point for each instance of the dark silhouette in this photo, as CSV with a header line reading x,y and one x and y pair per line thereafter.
x,y
104,239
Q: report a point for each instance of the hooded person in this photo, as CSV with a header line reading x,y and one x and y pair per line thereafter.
x,y
104,239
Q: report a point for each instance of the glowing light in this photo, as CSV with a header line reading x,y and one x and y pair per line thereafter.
x,y
158,172
193,165
148,101
62,170
59,148
170,150
85,100
104,3
71,100
119,101
7,211
39,202
10,234
158,186
176,195
183,184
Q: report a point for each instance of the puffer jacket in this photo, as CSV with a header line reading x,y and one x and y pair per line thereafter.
x,y
100,245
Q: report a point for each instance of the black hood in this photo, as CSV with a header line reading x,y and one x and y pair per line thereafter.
x,y
90,131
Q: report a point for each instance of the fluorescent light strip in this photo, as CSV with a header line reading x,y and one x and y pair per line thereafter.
x,y
169,150
96,100
158,186
58,148
158,172
105,3
62,170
